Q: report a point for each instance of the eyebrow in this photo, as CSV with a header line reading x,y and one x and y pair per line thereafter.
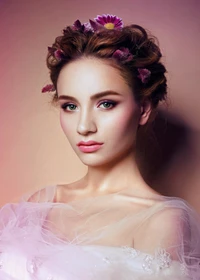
x,y
93,97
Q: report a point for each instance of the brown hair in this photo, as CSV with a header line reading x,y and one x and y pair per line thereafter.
x,y
102,44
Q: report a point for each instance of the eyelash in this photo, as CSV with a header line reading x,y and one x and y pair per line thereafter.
x,y
112,103
65,105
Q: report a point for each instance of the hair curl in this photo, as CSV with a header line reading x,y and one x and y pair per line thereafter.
x,y
102,44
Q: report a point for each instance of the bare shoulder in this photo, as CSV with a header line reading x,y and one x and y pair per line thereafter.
x,y
44,194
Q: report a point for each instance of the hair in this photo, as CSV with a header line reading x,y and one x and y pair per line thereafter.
x,y
76,44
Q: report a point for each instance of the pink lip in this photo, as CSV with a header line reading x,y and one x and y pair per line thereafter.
x,y
89,146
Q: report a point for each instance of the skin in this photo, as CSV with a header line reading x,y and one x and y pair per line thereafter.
x,y
112,119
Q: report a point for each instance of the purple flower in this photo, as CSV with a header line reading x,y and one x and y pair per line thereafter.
x,y
82,27
57,53
104,21
78,26
123,54
144,75
109,21
51,50
88,26
48,88
94,25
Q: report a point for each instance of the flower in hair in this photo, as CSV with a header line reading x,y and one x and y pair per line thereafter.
x,y
82,27
109,21
123,54
144,75
48,88
57,53
100,22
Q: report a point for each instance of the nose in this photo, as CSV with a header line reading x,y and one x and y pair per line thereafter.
x,y
86,124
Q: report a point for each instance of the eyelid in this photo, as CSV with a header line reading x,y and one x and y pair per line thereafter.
x,y
107,100
65,104
61,102
111,102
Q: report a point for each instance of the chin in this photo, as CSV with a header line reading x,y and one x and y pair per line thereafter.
x,y
93,160
92,163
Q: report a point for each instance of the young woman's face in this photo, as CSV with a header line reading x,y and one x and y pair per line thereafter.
x,y
98,113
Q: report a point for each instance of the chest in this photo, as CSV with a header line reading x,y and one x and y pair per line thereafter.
x,y
109,223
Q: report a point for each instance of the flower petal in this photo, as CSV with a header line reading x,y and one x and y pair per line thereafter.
x,y
94,25
106,19
77,25
88,27
51,50
144,74
59,54
48,88
123,54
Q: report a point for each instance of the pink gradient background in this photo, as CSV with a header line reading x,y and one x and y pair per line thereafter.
x,y
34,150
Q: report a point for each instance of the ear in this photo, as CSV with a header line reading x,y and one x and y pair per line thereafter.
x,y
145,111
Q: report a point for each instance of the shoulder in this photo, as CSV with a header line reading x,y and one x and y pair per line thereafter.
x,y
61,193
169,211
166,216
45,194
171,220
165,225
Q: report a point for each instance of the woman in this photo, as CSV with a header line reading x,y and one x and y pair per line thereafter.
x,y
107,81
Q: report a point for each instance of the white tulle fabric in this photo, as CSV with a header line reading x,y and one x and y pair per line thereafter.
x,y
116,236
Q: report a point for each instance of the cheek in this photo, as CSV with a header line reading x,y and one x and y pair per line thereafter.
x,y
125,123
64,123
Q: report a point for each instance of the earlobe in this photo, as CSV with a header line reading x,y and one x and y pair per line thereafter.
x,y
145,110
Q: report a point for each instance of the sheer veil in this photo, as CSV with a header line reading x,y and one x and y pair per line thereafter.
x,y
159,233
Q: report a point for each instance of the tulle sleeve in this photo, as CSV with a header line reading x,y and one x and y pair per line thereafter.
x,y
46,194
173,226
107,237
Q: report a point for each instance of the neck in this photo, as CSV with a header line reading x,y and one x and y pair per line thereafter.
x,y
115,177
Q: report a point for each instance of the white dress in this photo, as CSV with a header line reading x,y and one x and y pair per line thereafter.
x,y
99,238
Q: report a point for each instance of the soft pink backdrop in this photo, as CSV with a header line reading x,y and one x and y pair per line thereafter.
x,y
34,151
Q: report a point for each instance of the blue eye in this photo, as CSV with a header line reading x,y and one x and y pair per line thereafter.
x,y
107,104
69,107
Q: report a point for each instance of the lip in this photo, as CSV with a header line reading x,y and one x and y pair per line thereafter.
x,y
88,143
89,146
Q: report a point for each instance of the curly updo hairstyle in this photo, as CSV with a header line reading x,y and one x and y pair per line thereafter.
x,y
76,44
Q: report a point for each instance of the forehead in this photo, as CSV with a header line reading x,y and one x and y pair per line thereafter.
x,y
90,75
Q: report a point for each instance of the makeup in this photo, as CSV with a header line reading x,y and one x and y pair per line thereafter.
x,y
89,146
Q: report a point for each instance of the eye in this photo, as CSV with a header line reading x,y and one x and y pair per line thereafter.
x,y
107,104
68,107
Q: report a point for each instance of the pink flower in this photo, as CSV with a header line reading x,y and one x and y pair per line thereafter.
x,y
48,88
123,54
144,74
109,21
104,21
